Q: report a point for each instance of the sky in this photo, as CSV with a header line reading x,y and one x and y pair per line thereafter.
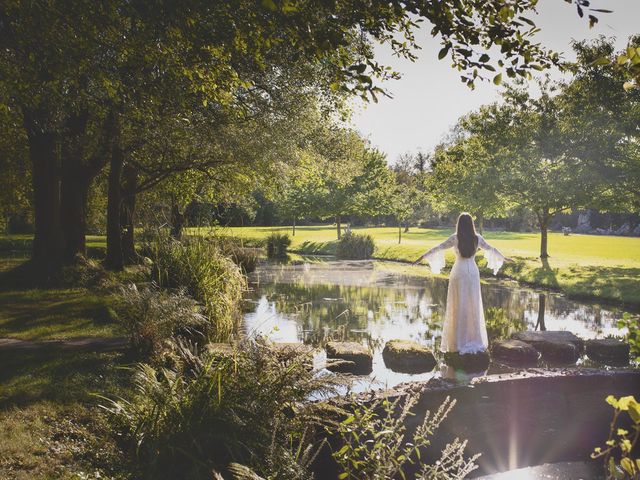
x,y
429,98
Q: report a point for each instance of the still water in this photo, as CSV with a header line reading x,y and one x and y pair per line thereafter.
x,y
371,302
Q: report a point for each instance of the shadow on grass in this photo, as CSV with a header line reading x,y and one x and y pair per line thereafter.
x,y
60,376
317,248
45,314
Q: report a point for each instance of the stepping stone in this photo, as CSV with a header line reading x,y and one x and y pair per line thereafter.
x,y
555,346
355,358
535,338
469,362
515,351
406,356
610,351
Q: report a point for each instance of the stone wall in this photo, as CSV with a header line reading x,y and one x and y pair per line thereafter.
x,y
519,420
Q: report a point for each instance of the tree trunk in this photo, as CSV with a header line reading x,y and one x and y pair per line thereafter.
x,y
294,226
115,258
480,223
48,240
338,226
543,219
127,213
177,222
74,186
406,228
73,210
542,300
399,232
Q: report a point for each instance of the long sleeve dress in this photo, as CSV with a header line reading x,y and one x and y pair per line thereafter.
x,y
464,330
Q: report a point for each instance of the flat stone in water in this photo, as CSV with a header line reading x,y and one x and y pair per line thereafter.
x,y
355,358
610,351
407,356
549,336
555,346
515,351
469,362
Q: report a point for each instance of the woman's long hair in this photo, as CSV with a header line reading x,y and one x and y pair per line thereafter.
x,y
467,237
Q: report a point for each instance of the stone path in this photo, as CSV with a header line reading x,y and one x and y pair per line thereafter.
x,y
93,344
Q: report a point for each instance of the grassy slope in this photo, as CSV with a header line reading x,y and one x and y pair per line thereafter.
x,y
602,267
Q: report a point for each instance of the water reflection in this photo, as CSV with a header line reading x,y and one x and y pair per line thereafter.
x,y
360,301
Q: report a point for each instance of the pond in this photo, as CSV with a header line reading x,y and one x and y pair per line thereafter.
x,y
314,301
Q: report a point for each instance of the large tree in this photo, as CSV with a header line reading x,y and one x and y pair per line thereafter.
x,y
82,74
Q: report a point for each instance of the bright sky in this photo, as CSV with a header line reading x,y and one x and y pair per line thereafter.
x,y
430,97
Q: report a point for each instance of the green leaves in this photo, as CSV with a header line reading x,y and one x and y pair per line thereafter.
x,y
497,80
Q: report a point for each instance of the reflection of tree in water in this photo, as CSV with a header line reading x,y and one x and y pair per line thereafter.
x,y
360,305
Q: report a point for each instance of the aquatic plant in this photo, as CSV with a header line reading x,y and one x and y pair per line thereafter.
x,y
632,324
209,276
500,325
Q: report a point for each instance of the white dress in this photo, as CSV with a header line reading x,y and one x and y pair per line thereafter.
x,y
464,330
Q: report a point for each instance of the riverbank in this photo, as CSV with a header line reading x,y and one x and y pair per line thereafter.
x,y
602,268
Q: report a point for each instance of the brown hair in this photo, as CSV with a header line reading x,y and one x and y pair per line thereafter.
x,y
467,237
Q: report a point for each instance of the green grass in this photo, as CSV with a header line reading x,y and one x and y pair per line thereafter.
x,y
51,425
586,266
55,314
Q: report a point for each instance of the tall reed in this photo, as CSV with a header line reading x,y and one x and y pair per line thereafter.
x,y
198,265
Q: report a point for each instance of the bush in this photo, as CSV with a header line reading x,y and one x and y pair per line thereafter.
x,y
277,244
372,443
199,266
243,256
249,406
154,318
355,247
621,445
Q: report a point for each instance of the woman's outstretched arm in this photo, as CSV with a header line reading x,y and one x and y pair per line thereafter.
x,y
495,259
448,243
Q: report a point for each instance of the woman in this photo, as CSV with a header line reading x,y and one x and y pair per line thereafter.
x,y
464,330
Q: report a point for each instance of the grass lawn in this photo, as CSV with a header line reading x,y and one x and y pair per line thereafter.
x,y
51,425
587,266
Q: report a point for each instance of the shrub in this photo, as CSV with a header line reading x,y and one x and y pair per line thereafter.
x,y
153,318
355,247
621,443
209,276
373,446
277,244
632,324
243,256
248,406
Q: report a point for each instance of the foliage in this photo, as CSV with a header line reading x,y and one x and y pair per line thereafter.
x,y
372,444
242,255
197,265
248,406
354,246
632,324
621,442
154,318
277,244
